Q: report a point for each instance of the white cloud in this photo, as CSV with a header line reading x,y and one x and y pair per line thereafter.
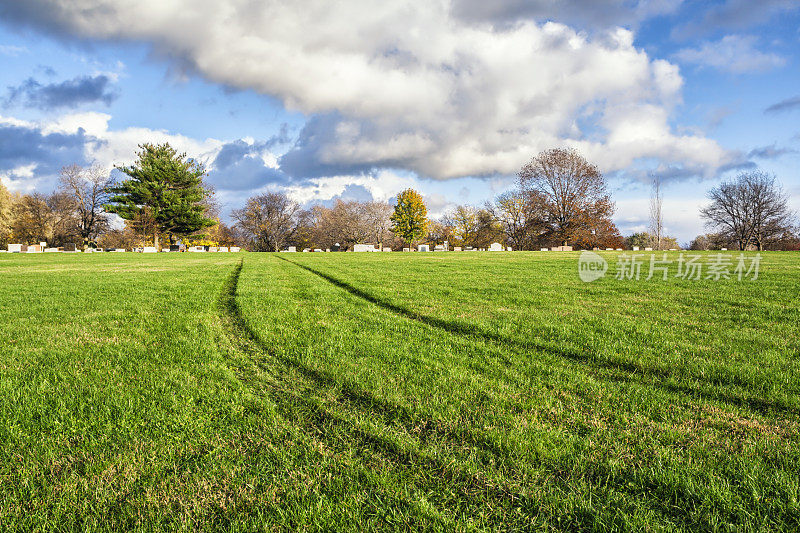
x,y
11,50
733,53
412,85
118,147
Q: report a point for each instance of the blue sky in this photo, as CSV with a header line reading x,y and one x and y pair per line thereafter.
x,y
358,100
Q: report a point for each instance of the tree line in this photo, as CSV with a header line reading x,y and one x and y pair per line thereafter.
x,y
559,199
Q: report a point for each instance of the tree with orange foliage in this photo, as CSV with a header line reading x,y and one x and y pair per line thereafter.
x,y
577,205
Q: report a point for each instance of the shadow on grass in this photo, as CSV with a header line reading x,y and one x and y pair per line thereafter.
x,y
309,411
563,478
755,404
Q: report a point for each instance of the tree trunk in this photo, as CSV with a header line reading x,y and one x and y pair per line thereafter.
x,y
155,239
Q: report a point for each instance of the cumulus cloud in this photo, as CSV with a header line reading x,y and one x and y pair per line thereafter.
x,y
581,13
414,85
733,53
30,155
66,94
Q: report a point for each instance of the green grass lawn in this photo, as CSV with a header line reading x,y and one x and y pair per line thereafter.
x,y
458,391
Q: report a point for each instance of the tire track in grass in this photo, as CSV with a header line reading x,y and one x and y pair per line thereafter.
x,y
296,391
601,472
635,373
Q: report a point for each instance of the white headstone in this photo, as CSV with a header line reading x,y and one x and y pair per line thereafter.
x,y
364,248
385,249
223,248
149,250
51,250
423,248
609,249
406,249
545,250
15,248
213,249
723,249
635,248
438,248
119,249
496,247
235,248
292,249
165,250
648,249
509,249
457,249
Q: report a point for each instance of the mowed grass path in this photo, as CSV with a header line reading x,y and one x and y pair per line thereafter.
x,y
373,391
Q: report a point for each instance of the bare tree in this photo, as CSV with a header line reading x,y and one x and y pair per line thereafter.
x,y
268,220
772,216
573,190
656,215
750,209
88,188
376,219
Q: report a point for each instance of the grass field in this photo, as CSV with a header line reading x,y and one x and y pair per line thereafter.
x,y
453,391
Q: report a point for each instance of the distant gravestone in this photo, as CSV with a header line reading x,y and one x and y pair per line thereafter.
x,y
439,248
149,250
317,249
406,249
544,250
495,247
223,249
306,249
213,249
292,249
386,249
235,248
635,248
51,250
363,247
457,249
648,249
619,249
35,249
119,249
15,248
423,248
609,249
165,250
509,249
723,249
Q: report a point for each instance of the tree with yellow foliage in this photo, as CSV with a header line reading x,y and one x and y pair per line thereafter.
x,y
410,217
